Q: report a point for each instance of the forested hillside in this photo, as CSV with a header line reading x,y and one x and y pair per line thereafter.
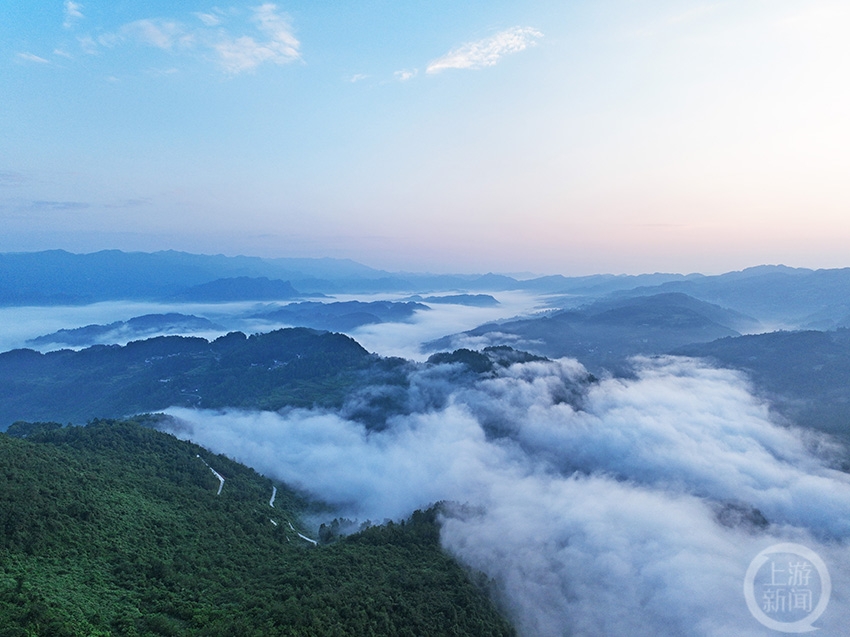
x,y
291,367
805,375
605,334
119,529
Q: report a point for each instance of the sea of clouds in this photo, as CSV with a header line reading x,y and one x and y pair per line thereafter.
x,y
405,338
618,507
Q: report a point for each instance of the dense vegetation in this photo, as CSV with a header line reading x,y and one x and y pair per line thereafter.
x,y
137,327
605,334
118,529
291,367
295,367
805,375
242,288
486,360
341,315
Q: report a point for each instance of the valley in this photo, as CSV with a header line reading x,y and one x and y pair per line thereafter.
x,y
518,434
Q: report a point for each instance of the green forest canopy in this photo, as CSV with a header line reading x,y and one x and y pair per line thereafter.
x,y
116,528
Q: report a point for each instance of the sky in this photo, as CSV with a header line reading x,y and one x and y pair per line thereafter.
x,y
569,137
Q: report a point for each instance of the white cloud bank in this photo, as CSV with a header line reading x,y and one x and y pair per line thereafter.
x,y
73,13
602,520
405,74
162,34
273,42
245,53
30,57
487,52
209,19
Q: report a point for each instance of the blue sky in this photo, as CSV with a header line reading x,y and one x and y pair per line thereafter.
x,y
571,137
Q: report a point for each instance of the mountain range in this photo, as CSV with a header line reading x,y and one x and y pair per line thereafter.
x,y
114,528
775,295
292,367
604,334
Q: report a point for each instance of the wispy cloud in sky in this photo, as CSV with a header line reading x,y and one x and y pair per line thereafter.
x,y
272,42
827,24
30,57
209,19
163,34
487,52
73,13
59,205
129,203
405,74
88,44
11,178
723,124
245,53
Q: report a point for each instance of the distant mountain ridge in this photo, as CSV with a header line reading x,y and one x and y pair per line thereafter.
x,y
604,334
342,315
471,300
335,316
804,374
60,277
134,328
289,367
240,288
776,295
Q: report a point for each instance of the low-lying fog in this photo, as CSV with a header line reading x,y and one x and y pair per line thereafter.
x,y
618,507
405,339
623,507
387,339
